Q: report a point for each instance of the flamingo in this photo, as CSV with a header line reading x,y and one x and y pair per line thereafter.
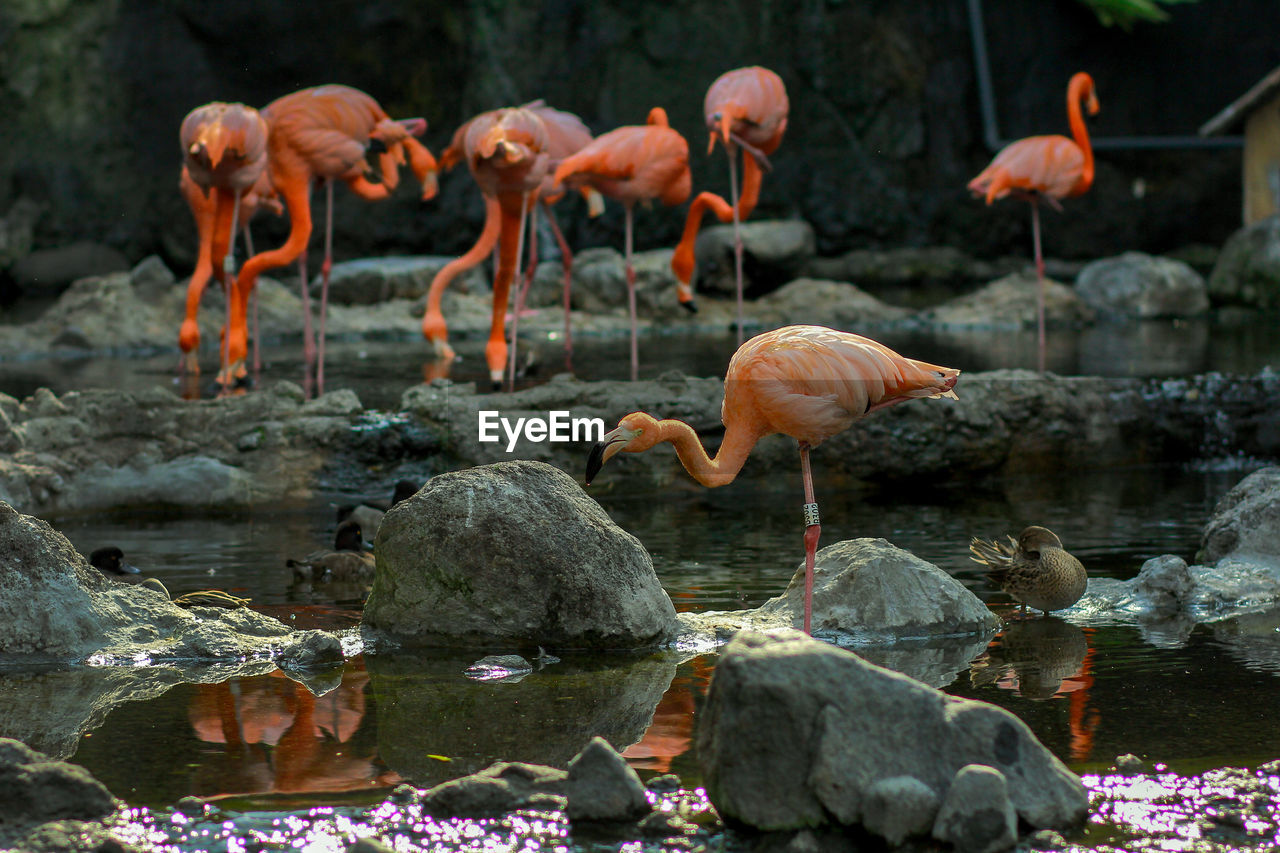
x,y
745,108
506,150
324,133
567,134
224,180
807,382
630,164
1049,167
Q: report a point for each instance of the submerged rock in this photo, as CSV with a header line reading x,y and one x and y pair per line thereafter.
x,y
513,553
796,733
598,785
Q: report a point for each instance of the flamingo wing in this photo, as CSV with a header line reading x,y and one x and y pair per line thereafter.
x,y
751,103
1046,165
811,382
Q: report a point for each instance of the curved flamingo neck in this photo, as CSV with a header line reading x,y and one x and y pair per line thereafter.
x,y
433,326
1080,90
708,471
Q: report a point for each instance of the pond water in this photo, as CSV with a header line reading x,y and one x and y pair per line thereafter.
x,y
292,764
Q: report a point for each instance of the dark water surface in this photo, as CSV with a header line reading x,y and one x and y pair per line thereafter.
x,y
292,762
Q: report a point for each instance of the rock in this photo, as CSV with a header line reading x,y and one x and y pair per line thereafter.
x,y
17,229
601,786
976,815
1130,764
368,280
773,253
513,553
312,650
57,608
1248,269
794,732
1141,286
898,807
497,790
1246,521
48,272
151,279
877,268
600,282
35,790
830,303
1165,582
874,592
1010,302
508,668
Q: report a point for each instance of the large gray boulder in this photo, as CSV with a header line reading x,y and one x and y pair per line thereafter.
x,y
513,552
1248,268
1246,521
1140,286
796,733
773,253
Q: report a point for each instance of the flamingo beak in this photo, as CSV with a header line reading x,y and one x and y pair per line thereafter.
x,y
605,449
214,141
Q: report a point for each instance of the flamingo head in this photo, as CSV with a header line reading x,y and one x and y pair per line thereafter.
x,y
635,433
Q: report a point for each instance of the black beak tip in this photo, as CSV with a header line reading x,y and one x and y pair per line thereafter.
x,y
594,462
690,306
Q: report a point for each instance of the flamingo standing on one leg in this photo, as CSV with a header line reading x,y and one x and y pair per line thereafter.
x,y
224,180
1048,167
506,151
567,135
324,133
630,164
808,382
745,108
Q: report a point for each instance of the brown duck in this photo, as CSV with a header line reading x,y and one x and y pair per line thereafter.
x,y
348,560
1035,569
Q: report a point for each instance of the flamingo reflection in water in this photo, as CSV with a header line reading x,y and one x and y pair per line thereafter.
x,y
281,738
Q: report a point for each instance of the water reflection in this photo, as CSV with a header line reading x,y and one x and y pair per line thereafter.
x,y
1043,658
276,736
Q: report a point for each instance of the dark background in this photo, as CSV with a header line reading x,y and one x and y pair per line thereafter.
x,y
885,126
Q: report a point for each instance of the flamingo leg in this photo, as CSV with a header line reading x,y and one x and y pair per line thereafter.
x,y
518,296
737,233
325,266
566,258
811,531
1035,238
249,253
229,276
631,299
